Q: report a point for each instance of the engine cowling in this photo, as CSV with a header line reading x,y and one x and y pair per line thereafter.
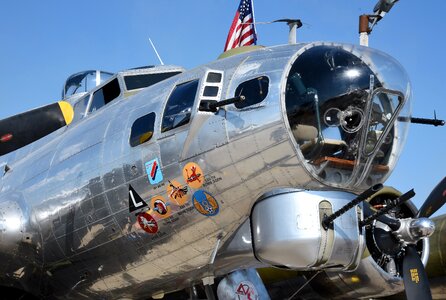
x,y
287,231
378,274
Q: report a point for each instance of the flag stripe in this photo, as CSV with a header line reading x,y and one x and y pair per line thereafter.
x,y
231,34
236,36
242,31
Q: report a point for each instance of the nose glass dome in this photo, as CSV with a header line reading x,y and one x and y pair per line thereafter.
x,y
343,104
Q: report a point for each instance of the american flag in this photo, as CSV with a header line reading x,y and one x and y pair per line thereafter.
x,y
242,31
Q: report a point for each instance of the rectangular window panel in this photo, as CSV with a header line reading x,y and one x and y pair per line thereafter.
x,y
133,82
214,77
106,94
210,91
179,105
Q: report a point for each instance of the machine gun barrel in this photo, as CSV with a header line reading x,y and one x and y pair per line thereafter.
x,y
398,201
435,122
361,197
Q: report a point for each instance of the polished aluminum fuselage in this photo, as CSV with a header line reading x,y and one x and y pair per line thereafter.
x,y
70,189
68,193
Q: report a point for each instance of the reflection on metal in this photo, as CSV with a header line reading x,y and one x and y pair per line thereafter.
x,y
283,235
242,184
350,119
90,235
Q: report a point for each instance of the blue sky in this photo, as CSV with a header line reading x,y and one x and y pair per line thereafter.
x,y
43,42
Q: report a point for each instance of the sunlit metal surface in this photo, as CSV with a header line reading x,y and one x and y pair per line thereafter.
x,y
70,189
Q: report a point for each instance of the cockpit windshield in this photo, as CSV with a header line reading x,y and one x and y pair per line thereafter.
x,y
342,108
83,82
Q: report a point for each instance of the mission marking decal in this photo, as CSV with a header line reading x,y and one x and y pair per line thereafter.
x,y
147,223
205,203
153,170
177,193
160,207
193,175
135,201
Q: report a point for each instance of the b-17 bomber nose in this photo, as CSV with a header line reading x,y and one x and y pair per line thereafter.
x,y
342,104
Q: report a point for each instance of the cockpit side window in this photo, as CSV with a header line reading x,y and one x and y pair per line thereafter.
x,y
142,129
139,81
106,94
80,108
254,90
179,105
83,82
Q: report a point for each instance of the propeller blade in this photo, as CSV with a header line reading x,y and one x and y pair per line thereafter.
x,y
22,129
415,278
434,201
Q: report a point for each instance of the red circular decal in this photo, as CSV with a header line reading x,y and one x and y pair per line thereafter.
x,y
160,208
147,223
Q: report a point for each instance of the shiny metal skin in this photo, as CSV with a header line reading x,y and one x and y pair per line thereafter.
x,y
369,280
412,230
70,190
237,252
287,231
286,225
11,222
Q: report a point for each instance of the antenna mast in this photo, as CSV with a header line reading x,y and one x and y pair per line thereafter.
x,y
156,52
293,24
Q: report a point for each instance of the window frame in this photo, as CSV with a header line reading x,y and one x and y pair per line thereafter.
x,y
192,107
85,112
218,85
89,111
257,104
153,129
126,77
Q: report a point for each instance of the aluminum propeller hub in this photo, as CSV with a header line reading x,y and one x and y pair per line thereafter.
x,y
412,230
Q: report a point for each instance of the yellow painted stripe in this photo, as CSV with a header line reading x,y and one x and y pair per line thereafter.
x,y
67,111
238,50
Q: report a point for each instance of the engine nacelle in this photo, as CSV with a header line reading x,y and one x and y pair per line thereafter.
x,y
287,231
377,275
